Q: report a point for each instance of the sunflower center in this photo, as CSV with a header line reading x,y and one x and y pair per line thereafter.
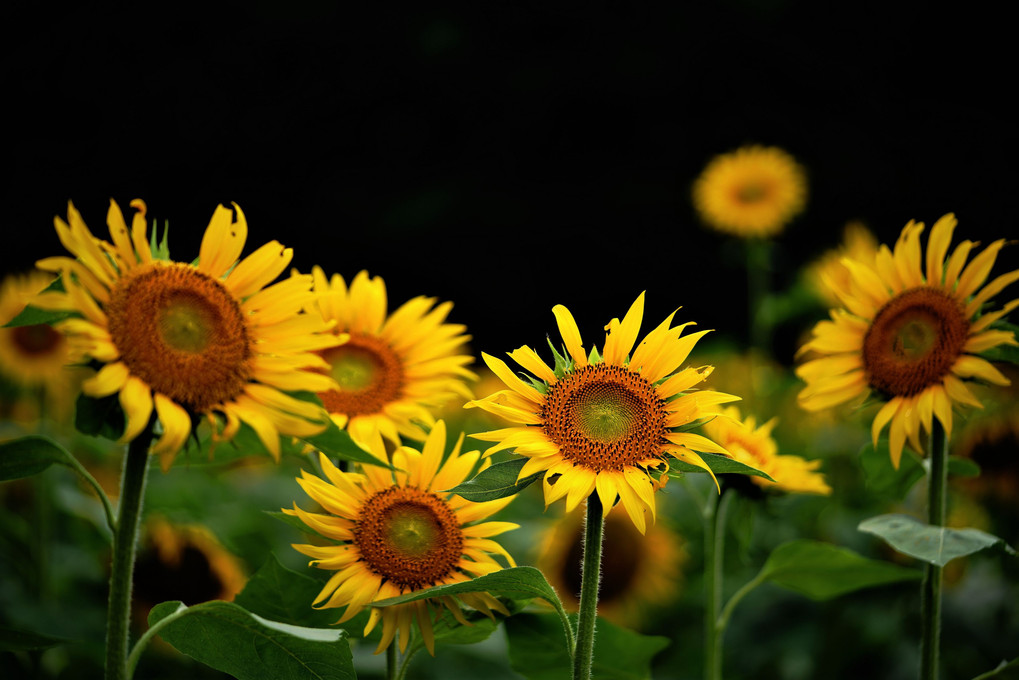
x,y
914,340
182,333
751,192
604,417
370,375
36,340
409,537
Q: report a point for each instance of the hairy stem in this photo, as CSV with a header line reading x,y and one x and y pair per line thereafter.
x,y
583,656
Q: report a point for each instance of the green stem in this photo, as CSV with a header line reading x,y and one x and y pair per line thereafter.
x,y
714,557
125,543
406,661
723,619
139,647
391,661
583,657
930,588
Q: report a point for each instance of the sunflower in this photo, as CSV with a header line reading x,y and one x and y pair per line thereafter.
x,y
399,532
191,340
753,445
753,191
909,338
395,371
35,356
599,421
828,274
638,572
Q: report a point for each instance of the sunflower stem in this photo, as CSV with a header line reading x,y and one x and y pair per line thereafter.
x,y
930,587
391,661
714,557
583,656
125,543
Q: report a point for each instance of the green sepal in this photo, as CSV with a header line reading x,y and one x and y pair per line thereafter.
x,y
594,357
718,463
160,251
933,544
496,481
562,365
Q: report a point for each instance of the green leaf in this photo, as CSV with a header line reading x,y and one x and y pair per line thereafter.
x,y
227,637
962,467
537,649
1006,670
933,544
29,456
882,478
338,444
34,316
449,631
12,640
103,417
497,481
822,571
284,595
718,463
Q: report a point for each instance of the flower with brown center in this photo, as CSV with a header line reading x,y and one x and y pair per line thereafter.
x,y
191,340
396,370
400,531
598,422
752,192
911,339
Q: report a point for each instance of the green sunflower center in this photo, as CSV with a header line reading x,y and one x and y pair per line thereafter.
x,y
605,417
36,340
914,340
410,537
370,375
182,332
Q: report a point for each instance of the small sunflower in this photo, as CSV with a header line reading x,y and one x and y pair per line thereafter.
x,y
185,340
398,532
753,445
600,421
753,191
637,572
909,338
828,274
395,371
33,356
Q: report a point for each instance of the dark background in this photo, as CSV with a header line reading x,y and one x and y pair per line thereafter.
x,y
507,157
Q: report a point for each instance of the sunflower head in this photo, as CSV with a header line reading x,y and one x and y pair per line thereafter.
x,y
398,531
910,332
753,191
395,371
828,274
601,421
177,342
753,445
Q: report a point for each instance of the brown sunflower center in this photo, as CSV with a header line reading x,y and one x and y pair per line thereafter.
x,y
751,192
914,340
370,375
181,332
409,537
604,417
36,340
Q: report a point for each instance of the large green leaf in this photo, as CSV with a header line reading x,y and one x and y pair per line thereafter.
x,y
1006,670
497,481
822,571
227,637
284,595
29,456
883,478
719,464
537,649
933,544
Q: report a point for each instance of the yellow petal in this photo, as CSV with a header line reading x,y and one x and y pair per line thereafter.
x,y
571,335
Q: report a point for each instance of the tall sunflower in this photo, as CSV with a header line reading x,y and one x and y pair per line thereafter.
x,y
753,191
753,445
600,421
396,370
398,532
186,340
34,356
910,338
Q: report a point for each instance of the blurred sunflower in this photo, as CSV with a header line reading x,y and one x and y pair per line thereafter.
x,y
35,356
753,191
398,532
828,274
753,445
637,572
191,340
599,421
909,338
184,562
395,371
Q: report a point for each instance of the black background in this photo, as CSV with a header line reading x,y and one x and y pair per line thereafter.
x,y
511,156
